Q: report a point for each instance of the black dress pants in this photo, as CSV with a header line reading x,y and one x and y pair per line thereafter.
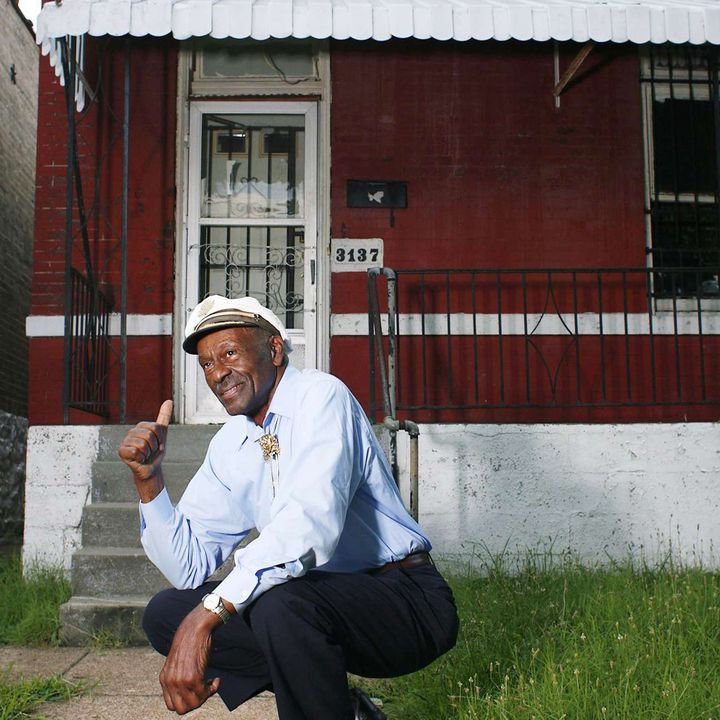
x,y
300,638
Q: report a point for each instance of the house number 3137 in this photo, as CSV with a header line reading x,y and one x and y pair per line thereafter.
x,y
360,254
350,255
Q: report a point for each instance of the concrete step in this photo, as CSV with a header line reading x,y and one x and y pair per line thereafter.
x,y
92,620
103,572
117,525
111,576
111,524
185,443
112,479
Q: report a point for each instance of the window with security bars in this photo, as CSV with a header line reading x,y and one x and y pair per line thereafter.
x,y
682,117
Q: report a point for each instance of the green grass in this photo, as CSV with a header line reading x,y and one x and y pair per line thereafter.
x,y
542,643
29,616
625,643
29,605
19,699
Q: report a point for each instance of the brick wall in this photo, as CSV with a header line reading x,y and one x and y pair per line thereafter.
x,y
18,123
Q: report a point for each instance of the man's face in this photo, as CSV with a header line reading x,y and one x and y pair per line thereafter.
x,y
241,367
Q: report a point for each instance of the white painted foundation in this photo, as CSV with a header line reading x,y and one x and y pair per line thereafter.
x,y
57,487
601,491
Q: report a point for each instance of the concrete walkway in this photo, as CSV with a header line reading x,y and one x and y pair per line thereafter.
x,y
121,685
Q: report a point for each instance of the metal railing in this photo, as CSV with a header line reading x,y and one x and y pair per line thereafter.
x,y
89,325
530,339
92,232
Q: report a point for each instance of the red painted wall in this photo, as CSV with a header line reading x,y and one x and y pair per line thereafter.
x,y
149,380
497,176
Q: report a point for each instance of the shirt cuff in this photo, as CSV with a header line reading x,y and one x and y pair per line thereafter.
x,y
238,587
159,511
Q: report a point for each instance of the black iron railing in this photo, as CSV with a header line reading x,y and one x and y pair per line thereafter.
x,y
483,339
89,325
89,224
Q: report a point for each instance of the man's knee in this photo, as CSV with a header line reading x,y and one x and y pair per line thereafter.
x,y
284,608
161,619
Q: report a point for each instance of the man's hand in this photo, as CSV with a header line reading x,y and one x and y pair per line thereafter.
x,y
183,675
143,450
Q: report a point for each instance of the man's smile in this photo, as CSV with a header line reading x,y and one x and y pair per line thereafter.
x,y
231,390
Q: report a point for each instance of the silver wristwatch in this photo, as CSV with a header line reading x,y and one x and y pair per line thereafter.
x,y
214,604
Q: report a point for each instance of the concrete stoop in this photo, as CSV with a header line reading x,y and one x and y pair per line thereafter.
x,y
111,578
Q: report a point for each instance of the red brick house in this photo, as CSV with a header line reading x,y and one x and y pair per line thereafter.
x,y
540,176
227,146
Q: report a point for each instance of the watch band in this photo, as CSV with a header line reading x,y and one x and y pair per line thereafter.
x,y
217,607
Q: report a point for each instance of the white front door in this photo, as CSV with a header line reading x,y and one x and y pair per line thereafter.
x,y
251,225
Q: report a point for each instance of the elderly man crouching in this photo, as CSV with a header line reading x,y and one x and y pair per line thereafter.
x,y
339,578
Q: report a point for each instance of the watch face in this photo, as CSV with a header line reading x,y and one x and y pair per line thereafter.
x,y
211,601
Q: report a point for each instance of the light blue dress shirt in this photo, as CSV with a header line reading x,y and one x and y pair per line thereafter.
x,y
328,501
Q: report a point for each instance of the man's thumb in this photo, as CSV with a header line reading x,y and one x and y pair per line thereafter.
x,y
166,410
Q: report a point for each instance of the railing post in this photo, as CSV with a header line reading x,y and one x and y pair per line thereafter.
x,y
373,312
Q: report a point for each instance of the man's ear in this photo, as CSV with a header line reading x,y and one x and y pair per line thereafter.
x,y
277,350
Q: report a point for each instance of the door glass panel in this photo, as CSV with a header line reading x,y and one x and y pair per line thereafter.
x,y
264,262
252,166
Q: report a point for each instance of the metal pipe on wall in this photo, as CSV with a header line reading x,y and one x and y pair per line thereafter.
x,y
68,65
388,379
124,231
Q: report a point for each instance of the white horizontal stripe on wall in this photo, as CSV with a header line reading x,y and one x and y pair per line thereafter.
x,y
663,323
137,325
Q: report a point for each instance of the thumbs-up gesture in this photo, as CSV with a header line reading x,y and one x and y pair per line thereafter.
x,y
143,450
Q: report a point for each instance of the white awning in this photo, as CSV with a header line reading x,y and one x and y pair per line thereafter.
x,y
636,21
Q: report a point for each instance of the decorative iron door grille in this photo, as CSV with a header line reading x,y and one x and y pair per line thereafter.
x,y
264,262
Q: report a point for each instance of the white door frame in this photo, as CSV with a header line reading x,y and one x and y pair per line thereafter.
x,y
316,290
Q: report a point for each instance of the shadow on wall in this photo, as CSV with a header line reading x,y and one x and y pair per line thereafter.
x,y
598,493
13,442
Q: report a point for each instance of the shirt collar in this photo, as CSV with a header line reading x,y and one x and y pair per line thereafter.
x,y
283,401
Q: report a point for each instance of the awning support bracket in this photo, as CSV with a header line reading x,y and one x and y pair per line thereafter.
x,y
572,68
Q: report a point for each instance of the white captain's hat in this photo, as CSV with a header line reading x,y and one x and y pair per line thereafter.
x,y
217,313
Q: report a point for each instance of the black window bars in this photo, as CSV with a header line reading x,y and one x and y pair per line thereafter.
x,y
682,129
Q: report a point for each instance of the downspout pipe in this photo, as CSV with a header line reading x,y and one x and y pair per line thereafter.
x,y
388,380
68,64
412,429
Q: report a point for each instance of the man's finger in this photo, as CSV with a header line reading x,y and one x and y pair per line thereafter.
x,y
165,413
213,686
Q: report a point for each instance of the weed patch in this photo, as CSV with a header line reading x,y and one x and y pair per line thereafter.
x,y
29,605
19,698
570,642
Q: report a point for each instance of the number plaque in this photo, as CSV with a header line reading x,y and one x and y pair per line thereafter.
x,y
351,255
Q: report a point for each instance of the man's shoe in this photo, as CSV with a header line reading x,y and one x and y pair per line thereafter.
x,y
364,707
